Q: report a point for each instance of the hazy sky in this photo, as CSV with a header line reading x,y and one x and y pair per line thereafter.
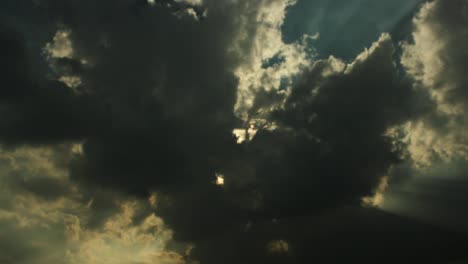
x,y
233,131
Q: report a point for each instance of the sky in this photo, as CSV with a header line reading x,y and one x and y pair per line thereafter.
x,y
345,28
233,131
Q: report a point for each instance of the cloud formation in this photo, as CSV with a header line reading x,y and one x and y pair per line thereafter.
x,y
436,60
120,146
436,142
47,218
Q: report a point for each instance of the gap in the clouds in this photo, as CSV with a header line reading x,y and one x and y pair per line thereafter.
x,y
346,27
275,60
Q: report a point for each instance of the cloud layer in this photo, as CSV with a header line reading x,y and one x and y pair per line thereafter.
x,y
119,118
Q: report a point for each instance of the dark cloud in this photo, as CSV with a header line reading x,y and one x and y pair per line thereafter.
x,y
331,146
37,110
153,103
162,92
338,236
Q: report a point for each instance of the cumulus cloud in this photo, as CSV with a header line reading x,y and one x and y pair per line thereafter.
x,y
50,217
436,143
121,241
436,59
272,64
331,134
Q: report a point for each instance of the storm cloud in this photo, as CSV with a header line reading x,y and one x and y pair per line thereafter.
x,y
197,132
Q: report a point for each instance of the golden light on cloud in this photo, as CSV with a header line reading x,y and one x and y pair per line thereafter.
x,y
244,134
153,200
240,135
61,47
77,148
71,81
278,247
122,241
38,218
377,200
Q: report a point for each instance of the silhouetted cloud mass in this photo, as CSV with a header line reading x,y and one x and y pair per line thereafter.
x,y
182,131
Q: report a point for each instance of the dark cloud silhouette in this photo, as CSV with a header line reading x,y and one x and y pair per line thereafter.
x,y
149,89
37,110
331,146
360,235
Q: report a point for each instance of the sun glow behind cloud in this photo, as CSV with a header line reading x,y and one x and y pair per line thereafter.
x,y
219,179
